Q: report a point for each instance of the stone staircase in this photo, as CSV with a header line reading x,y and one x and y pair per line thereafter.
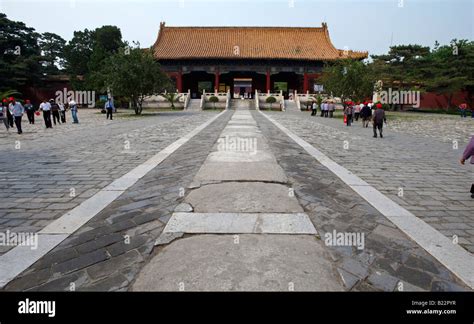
x,y
245,104
290,106
194,105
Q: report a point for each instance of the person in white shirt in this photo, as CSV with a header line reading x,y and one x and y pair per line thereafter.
x,y
62,112
331,108
4,114
357,109
17,110
326,109
46,108
314,108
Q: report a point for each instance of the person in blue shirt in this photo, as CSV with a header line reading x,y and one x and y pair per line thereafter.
x,y
109,107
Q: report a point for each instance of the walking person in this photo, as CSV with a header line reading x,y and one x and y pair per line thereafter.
x,y
378,119
9,113
46,108
358,108
348,113
3,115
30,112
463,110
322,108
469,154
62,112
109,106
332,108
17,111
55,111
365,114
73,106
314,109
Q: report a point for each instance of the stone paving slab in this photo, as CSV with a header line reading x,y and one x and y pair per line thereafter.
x,y
239,157
248,197
233,171
240,263
239,223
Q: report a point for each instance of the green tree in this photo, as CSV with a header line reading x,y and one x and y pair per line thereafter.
x,y
319,101
171,97
401,65
8,93
107,41
86,52
78,52
449,69
135,75
348,79
52,49
20,55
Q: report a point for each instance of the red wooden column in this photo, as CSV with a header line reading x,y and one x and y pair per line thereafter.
x,y
268,81
216,83
179,81
305,83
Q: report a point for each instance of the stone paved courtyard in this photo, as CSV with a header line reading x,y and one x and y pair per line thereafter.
x,y
415,155
54,170
115,250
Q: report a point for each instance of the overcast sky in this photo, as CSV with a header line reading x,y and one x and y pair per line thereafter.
x,y
360,25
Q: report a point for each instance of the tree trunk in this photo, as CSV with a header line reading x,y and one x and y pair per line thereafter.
x,y
450,101
136,106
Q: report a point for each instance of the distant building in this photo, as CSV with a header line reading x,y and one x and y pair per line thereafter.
x,y
245,59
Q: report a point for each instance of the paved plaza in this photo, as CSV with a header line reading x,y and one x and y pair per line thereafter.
x,y
238,200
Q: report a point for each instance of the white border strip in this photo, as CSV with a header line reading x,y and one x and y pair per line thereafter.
x,y
451,255
21,258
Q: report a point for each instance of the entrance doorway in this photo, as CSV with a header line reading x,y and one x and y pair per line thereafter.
x,y
243,88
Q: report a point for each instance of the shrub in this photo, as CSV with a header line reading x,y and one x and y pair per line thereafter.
x,y
271,100
213,99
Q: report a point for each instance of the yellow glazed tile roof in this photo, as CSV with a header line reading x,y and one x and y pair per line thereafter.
x,y
248,43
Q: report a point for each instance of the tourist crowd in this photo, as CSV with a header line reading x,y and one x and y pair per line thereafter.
x,y
12,111
54,112
366,111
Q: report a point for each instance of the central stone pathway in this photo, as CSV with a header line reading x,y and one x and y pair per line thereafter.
x,y
241,227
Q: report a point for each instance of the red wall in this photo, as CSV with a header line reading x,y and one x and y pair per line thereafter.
x,y
431,100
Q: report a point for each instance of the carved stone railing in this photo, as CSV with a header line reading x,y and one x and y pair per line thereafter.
x,y
257,102
262,97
